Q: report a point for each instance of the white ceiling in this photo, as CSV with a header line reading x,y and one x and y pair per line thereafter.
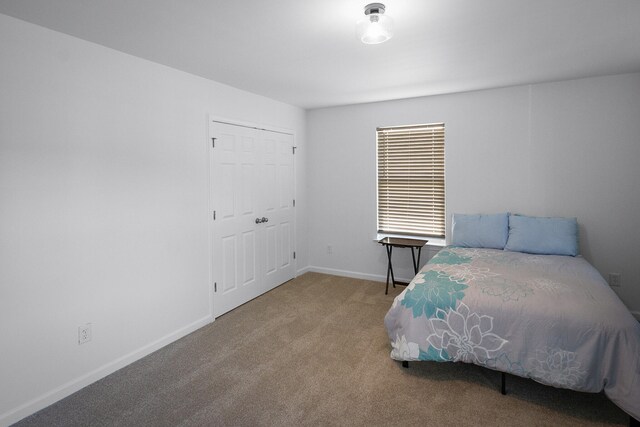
x,y
306,53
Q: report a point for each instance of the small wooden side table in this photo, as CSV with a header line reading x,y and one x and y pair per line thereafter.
x,y
397,242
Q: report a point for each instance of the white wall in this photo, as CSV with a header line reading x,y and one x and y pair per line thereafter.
x,y
570,148
104,207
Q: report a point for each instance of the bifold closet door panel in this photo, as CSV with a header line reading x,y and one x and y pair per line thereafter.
x,y
252,194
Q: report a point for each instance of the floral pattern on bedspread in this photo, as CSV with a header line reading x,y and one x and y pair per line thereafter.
x,y
557,367
507,290
549,318
463,335
430,292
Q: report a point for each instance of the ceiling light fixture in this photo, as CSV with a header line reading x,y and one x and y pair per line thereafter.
x,y
375,27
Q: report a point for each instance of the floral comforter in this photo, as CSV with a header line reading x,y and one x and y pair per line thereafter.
x,y
546,317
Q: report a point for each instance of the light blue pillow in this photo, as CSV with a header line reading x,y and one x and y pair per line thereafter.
x,y
480,231
547,236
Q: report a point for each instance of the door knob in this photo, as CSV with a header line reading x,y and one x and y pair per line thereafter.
x,y
265,219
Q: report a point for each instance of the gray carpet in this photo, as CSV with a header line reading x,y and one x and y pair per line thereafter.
x,y
313,352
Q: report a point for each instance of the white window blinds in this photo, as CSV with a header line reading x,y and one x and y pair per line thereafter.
x,y
411,180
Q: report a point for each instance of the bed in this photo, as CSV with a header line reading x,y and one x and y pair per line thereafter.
x,y
551,318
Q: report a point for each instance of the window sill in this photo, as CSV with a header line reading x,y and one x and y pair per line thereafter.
x,y
437,242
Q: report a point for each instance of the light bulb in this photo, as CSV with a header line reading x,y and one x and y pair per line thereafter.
x,y
375,27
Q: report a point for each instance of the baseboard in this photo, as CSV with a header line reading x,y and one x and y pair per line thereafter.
x,y
22,411
302,271
355,274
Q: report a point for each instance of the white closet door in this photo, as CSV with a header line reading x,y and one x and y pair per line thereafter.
x,y
251,176
278,191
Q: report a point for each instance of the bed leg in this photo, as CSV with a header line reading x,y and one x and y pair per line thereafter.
x,y
405,364
503,388
633,422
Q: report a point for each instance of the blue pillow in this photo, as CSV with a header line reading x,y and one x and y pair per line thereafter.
x,y
547,236
480,231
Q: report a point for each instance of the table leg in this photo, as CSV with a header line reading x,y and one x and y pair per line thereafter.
x,y
386,290
389,269
413,258
417,264
393,277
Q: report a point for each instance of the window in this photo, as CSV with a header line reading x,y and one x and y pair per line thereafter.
x,y
411,180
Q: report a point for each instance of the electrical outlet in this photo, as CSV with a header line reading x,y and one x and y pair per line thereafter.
x,y
329,249
84,333
615,281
